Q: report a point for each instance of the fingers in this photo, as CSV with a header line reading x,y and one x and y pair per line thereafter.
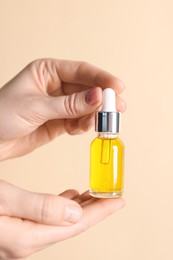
x,y
73,106
74,88
79,125
53,74
93,212
83,124
70,194
69,89
34,236
42,208
85,196
87,74
99,209
76,105
85,199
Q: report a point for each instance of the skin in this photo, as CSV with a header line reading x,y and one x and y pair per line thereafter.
x,y
46,99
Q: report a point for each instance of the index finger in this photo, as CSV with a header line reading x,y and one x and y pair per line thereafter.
x,y
86,74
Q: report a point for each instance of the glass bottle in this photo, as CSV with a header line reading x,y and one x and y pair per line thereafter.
x,y
107,152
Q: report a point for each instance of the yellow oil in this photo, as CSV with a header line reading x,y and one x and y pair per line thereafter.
x,y
106,167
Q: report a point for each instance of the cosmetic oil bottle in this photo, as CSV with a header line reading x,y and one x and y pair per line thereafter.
x,y
107,151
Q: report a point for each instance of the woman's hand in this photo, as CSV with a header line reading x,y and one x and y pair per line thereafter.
x,y
32,221
48,98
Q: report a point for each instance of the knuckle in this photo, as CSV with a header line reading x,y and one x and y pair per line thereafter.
x,y
86,123
41,65
82,66
72,126
70,104
36,62
34,65
47,207
40,71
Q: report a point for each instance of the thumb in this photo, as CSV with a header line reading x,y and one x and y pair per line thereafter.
x,y
41,208
75,105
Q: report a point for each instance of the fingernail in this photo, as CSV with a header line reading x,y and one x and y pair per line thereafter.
x,y
72,213
92,97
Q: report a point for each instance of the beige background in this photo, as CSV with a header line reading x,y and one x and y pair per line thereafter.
x,y
134,40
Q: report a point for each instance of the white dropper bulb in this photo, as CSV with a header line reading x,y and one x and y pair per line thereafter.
x,y
108,100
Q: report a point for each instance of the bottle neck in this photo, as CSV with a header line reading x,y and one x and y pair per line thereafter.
x,y
107,135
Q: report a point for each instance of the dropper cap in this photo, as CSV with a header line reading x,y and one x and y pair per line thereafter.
x,y
107,120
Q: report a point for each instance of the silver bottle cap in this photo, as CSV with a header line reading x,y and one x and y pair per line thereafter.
x,y
107,122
